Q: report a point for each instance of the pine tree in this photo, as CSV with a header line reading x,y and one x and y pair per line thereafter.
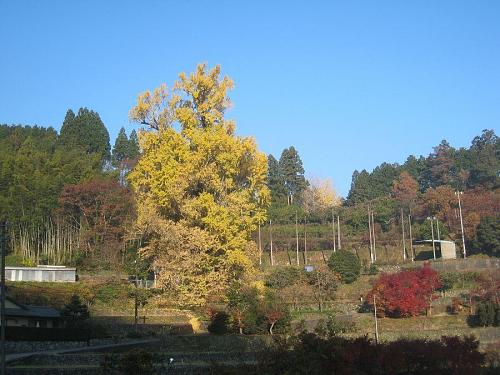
x,y
360,188
121,148
275,180
133,145
68,130
75,312
87,132
293,174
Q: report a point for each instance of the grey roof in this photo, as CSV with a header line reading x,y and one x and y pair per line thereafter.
x,y
41,268
31,311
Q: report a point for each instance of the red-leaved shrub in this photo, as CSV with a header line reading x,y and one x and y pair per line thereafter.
x,y
406,293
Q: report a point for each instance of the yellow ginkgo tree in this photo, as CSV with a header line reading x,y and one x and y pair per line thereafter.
x,y
200,189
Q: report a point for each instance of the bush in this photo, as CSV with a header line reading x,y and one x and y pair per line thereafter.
x,y
406,293
219,323
280,278
487,240
487,314
373,270
346,264
448,281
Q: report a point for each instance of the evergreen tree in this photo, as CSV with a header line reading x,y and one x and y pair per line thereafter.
x,y
293,173
485,160
133,145
417,168
121,148
441,164
275,180
75,312
68,129
360,188
87,132
487,236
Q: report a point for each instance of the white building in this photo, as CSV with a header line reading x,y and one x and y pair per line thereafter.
x,y
41,273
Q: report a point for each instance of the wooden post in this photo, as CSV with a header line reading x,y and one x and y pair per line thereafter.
x,y
403,230
370,231
433,244
271,240
374,246
297,237
338,232
412,252
305,242
376,322
333,231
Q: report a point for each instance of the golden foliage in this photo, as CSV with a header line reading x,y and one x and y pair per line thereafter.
x,y
320,196
201,190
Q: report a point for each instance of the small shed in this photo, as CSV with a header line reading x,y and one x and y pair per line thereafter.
x,y
444,249
448,249
41,273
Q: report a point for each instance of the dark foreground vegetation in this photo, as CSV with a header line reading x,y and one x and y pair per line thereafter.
x,y
310,353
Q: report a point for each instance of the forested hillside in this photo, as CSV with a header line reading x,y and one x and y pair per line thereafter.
x,y
62,194
461,169
397,198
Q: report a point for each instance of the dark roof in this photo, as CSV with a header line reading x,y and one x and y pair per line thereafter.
x,y
31,311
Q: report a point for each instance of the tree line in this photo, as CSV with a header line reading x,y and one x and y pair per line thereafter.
x,y
397,198
62,192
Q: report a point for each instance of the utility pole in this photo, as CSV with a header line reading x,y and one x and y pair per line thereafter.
x,y
458,194
376,322
432,233
403,230
338,232
3,244
333,231
305,242
260,247
374,243
271,240
370,230
297,237
411,240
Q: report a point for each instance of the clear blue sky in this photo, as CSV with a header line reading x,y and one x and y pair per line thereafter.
x,y
349,83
